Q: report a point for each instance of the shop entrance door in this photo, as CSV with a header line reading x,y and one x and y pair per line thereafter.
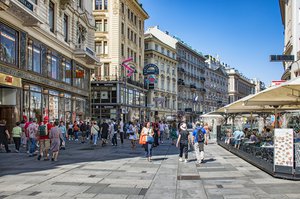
x,y
8,114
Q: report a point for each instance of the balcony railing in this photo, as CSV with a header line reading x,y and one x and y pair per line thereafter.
x,y
87,54
136,83
105,78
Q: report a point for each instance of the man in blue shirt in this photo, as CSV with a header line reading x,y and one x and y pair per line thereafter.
x,y
238,136
199,138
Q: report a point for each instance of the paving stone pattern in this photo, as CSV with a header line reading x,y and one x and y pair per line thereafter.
x,y
84,171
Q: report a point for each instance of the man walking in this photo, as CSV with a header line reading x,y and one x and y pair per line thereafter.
x,y
32,130
162,131
43,133
113,132
199,139
121,130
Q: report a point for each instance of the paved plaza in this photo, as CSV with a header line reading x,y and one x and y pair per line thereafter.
x,y
84,171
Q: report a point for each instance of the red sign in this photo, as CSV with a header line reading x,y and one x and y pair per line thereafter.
x,y
277,82
9,79
79,73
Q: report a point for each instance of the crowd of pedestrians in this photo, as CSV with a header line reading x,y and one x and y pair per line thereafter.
x,y
45,139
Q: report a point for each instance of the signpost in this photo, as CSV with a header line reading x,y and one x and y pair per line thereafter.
x,y
282,58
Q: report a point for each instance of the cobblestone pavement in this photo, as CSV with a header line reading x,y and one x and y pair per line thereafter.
x,y
84,171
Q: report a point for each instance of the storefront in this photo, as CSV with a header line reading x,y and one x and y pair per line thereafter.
x,y
10,99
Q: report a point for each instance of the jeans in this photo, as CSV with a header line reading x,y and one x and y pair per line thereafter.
x,y
122,137
114,139
183,149
162,136
76,135
148,149
199,149
17,141
95,137
32,145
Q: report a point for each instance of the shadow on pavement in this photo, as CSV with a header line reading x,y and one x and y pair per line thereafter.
x,y
20,163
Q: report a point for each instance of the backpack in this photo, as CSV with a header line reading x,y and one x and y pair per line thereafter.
x,y
200,135
43,130
76,128
115,127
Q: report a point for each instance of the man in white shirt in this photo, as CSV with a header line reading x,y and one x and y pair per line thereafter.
x,y
121,130
113,132
162,131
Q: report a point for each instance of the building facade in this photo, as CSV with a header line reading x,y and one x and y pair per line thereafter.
x,y
191,90
290,14
160,49
216,84
46,56
259,85
239,86
119,36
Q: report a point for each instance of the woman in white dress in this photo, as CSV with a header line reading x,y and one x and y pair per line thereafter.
x,y
132,133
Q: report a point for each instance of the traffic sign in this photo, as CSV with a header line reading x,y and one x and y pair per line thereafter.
x,y
282,58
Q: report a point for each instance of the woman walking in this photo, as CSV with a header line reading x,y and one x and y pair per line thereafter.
x,y
132,131
4,135
64,134
147,131
173,135
94,131
16,134
55,136
155,134
183,142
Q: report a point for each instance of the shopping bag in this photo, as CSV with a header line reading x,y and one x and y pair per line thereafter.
x,y
149,139
142,139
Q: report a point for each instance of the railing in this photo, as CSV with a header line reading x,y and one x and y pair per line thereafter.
x,y
105,78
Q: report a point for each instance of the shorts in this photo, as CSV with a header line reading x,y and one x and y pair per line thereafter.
x,y
45,144
237,142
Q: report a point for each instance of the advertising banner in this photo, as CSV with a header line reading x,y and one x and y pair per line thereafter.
x,y
283,150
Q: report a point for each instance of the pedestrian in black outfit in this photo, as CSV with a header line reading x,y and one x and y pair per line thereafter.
x,y
4,135
155,134
183,142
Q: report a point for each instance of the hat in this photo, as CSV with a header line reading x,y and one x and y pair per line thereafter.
x,y
183,126
46,118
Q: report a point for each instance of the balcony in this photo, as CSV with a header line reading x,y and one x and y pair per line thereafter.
x,y
179,69
202,79
25,10
135,83
85,53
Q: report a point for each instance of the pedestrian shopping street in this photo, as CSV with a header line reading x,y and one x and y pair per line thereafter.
x,y
83,171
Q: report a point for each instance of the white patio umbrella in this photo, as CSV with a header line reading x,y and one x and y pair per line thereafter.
x,y
284,95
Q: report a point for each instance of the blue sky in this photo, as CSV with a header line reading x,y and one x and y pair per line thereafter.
x,y
242,32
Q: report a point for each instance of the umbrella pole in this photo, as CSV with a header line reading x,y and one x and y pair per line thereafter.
x,y
276,121
251,121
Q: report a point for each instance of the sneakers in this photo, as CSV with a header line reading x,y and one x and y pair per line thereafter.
x,y
39,157
185,160
180,160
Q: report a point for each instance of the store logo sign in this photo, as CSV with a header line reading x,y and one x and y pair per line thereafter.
x,y
9,79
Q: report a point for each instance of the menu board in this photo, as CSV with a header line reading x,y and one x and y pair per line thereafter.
x,y
283,147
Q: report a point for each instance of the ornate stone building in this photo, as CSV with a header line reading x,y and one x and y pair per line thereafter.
x,y
46,56
216,84
119,36
160,49
191,90
290,16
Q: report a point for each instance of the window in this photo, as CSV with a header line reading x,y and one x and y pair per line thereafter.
x,y
134,38
105,4
51,16
106,69
34,57
98,4
128,14
123,8
128,33
105,25
122,50
98,47
140,24
134,20
134,57
53,66
146,46
79,3
162,50
66,27
168,53
67,72
79,76
162,83
122,28
105,48
156,47
140,42
99,25
9,45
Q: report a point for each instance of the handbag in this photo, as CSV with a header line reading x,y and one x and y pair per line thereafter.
x,y
149,139
142,139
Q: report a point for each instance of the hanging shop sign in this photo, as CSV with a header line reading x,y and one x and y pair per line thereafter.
x,y
10,80
150,69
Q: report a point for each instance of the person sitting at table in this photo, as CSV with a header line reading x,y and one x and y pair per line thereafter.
x,y
228,136
238,136
253,137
